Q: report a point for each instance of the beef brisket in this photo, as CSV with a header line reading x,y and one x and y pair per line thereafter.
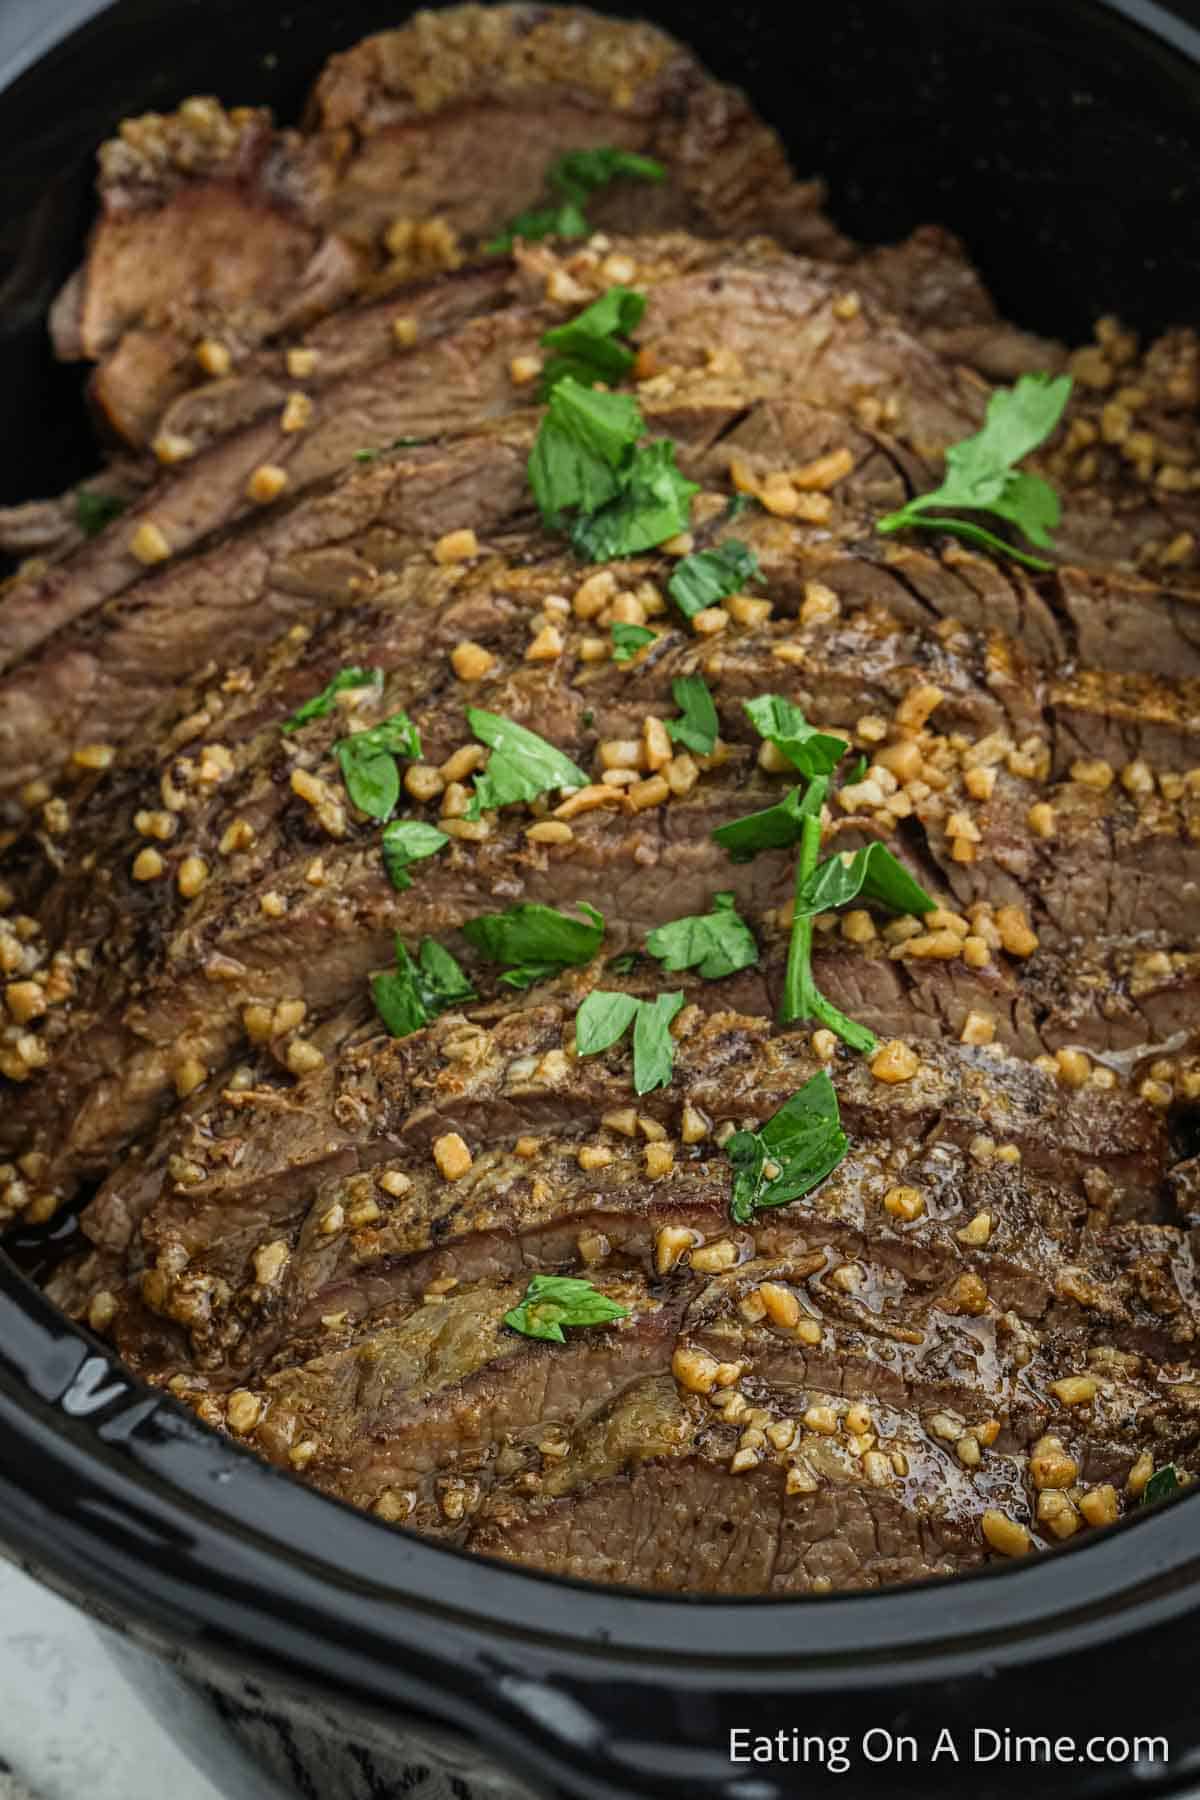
x,y
978,1334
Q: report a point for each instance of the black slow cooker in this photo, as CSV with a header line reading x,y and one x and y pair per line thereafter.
x,y
1061,139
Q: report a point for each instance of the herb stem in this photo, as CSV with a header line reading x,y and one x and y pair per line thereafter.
x,y
802,999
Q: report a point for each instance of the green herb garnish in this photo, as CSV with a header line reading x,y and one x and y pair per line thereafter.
x,y
323,703
775,828
857,772
552,1301
802,999
716,943
368,763
653,504
583,451
408,841
709,576
982,476
400,443
94,511
589,347
572,180
628,640
1162,1484
521,766
414,993
699,725
537,940
872,872
797,1148
605,1017
783,724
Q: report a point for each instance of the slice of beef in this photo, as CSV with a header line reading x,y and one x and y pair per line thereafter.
x,y
391,143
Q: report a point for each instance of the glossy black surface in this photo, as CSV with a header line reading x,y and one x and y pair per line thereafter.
x,y
1064,143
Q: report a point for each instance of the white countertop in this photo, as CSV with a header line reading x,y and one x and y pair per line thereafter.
x,y
70,1724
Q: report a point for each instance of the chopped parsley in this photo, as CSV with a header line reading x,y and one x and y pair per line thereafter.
x,y
709,576
571,180
414,993
857,773
583,450
590,348
783,724
872,872
1162,1484
604,1018
368,763
400,443
552,1301
982,476
94,511
521,766
408,841
797,1148
537,940
653,504
628,640
716,943
775,828
322,704
698,728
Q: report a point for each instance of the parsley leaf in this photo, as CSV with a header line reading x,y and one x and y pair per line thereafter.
x,y
811,751
716,943
400,443
94,511
797,1148
707,576
537,939
521,766
872,872
629,639
653,504
858,772
981,473
775,828
589,347
414,993
699,725
1162,1484
552,1301
605,1017
802,998
407,841
323,703
572,179
368,763
582,451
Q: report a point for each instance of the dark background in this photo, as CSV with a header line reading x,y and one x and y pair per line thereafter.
x,y
1058,140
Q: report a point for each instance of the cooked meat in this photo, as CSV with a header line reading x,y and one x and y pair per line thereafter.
x,y
977,1333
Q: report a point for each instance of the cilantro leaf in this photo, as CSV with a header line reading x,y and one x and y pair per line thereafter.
x,y
775,828
1162,1484
708,576
797,1148
94,511
521,766
628,640
573,178
552,1301
589,347
582,451
716,943
407,841
981,473
538,940
368,763
605,1017
699,725
872,872
414,993
783,724
322,704
652,504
